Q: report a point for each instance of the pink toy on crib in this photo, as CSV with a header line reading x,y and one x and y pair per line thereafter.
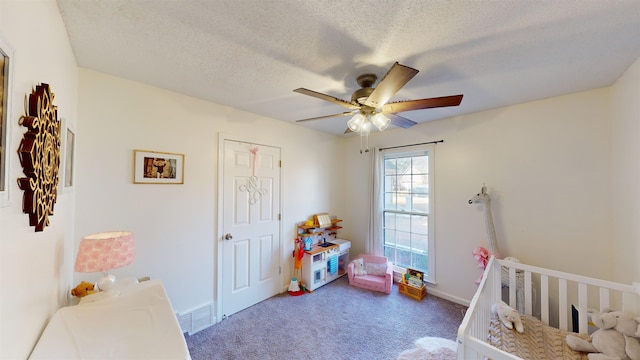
x,y
482,258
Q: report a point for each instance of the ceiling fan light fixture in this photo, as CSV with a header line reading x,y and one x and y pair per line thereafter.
x,y
365,128
380,121
356,123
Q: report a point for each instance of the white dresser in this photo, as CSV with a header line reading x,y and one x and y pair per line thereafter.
x,y
130,321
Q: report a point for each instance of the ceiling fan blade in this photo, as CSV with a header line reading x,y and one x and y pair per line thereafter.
x,y
346,113
444,101
399,121
392,81
326,97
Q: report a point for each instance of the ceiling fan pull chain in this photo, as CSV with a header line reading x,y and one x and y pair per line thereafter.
x,y
365,148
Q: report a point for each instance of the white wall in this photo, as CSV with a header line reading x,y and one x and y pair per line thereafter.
x,y
562,174
626,173
175,225
35,268
547,167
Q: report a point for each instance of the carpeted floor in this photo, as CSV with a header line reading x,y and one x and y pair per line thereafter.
x,y
337,321
431,348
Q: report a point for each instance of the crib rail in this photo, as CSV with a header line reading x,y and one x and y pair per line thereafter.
x,y
542,293
474,328
588,293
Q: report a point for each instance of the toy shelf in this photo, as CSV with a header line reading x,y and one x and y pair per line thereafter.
x,y
310,230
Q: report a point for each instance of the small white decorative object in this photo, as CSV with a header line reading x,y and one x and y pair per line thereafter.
x,y
252,185
253,188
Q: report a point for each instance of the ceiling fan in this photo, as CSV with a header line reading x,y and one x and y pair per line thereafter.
x,y
370,105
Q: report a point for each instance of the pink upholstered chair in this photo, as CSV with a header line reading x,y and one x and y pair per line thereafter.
x,y
382,283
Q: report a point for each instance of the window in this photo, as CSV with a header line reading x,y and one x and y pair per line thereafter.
x,y
408,208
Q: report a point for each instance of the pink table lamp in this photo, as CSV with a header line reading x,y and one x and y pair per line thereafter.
x,y
103,252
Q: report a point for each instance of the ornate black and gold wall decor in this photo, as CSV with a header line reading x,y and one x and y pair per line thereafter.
x,y
39,154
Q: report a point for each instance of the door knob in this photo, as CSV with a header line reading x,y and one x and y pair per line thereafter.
x,y
228,237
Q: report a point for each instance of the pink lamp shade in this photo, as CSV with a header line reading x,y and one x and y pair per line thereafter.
x,y
103,252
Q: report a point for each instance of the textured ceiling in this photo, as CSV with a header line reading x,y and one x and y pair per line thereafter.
x,y
251,54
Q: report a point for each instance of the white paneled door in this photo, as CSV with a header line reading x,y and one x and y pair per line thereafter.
x,y
251,227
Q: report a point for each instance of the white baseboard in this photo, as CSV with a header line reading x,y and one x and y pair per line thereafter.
x,y
397,274
446,296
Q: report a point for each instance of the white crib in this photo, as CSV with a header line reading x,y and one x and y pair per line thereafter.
x,y
544,294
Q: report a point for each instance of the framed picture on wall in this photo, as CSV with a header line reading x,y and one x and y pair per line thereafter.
x,y
69,157
154,167
6,54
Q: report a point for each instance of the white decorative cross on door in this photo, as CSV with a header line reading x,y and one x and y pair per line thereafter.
x,y
253,182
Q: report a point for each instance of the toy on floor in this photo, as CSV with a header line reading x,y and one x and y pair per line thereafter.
x,y
298,254
480,254
484,199
616,338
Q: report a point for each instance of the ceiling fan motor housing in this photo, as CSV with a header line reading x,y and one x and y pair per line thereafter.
x,y
365,81
360,96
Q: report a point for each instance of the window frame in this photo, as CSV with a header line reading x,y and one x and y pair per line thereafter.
x,y
396,152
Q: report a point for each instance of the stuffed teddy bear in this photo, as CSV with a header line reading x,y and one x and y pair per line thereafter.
x,y
358,267
508,315
83,289
616,337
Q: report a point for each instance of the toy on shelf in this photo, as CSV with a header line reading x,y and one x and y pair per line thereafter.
x,y
412,284
414,277
319,225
